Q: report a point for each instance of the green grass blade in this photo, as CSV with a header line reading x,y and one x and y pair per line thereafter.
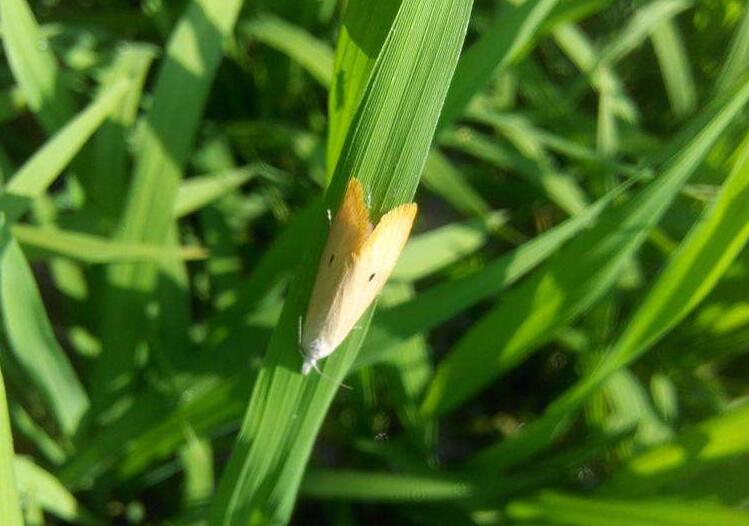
x,y
571,281
94,249
197,192
184,80
436,249
41,487
693,270
558,508
10,505
442,178
310,53
12,104
109,149
403,99
34,66
644,21
384,487
40,171
358,45
510,35
735,64
675,68
33,341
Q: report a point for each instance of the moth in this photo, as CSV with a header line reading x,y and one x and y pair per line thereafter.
x,y
355,264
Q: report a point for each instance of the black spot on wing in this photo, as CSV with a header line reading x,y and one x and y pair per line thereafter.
x,y
371,276
330,261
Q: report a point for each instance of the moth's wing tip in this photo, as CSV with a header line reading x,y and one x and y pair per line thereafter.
x,y
404,212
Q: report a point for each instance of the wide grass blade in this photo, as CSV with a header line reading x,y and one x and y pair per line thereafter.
x,y
386,148
33,341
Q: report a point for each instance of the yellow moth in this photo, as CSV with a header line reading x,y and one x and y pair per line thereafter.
x,y
355,264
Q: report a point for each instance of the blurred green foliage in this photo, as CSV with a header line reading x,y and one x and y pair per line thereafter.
x,y
563,342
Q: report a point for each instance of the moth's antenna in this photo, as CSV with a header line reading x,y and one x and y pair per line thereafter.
x,y
329,378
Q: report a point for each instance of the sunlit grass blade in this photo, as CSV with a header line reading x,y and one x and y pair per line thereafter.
x,y
735,64
675,68
712,443
437,248
557,508
40,171
34,65
93,249
196,192
358,44
10,505
572,280
33,341
386,148
109,149
41,487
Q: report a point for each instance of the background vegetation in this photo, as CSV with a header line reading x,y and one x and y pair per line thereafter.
x,y
563,342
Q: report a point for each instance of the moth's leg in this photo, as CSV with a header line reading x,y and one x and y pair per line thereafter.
x,y
330,217
299,348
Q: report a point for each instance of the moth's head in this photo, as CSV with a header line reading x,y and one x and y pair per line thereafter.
x,y
317,350
308,365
